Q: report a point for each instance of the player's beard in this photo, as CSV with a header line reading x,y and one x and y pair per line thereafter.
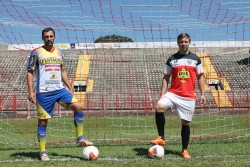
x,y
49,43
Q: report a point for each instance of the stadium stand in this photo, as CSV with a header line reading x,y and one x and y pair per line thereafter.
x,y
116,78
13,79
231,66
234,68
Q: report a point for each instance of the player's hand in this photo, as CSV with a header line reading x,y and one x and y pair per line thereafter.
x,y
71,91
161,95
203,100
31,97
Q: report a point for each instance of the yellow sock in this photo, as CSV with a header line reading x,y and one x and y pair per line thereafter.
x,y
41,135
42,144
78,121
79,130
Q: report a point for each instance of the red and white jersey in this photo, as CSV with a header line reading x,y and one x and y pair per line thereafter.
x,y
184,69
48,69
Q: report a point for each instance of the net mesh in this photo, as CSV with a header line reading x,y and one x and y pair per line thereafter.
x,y
124,78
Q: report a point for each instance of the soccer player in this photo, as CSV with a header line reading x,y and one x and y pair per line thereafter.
x,y
184,67
49,64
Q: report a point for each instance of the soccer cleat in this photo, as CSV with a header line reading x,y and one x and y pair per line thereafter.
x,y
83,142
158,141
44,157
185,154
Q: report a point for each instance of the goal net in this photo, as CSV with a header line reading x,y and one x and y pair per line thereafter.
x,y
115,52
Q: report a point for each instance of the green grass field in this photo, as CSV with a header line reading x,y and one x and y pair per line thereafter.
x,y
117,140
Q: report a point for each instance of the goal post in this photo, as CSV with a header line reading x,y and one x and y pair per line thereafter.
x,y
115,52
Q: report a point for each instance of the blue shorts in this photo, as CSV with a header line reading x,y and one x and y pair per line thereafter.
x,y
46,102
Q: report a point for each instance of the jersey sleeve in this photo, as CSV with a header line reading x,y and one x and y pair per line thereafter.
x,y
199,68
32,63
167,68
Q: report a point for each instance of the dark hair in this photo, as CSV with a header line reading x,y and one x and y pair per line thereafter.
x,y
183,35
47,30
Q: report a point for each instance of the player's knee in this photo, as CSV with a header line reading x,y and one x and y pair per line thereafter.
x,y
160,108
42,122
185,122
77,107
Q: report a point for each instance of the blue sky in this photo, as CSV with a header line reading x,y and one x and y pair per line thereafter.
x,y
84,21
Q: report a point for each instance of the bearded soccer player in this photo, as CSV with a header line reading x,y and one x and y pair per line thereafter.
x,y
48,63
184,67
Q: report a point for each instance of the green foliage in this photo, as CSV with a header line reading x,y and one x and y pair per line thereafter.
x,y
113,39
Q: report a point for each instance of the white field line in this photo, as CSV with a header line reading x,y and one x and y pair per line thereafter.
x,y
121,159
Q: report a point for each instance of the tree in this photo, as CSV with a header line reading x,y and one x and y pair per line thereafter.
x,y
113,38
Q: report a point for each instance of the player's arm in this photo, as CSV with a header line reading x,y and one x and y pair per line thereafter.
x,y
66,79
167,72
32,63
201,83
31,94
165,81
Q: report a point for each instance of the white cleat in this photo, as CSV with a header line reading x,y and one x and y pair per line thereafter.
x,y
83,142
44,157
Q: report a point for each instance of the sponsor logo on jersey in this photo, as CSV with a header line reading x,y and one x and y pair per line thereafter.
x,y
183,75
53,76
189,62
51,60
48,82
175,63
